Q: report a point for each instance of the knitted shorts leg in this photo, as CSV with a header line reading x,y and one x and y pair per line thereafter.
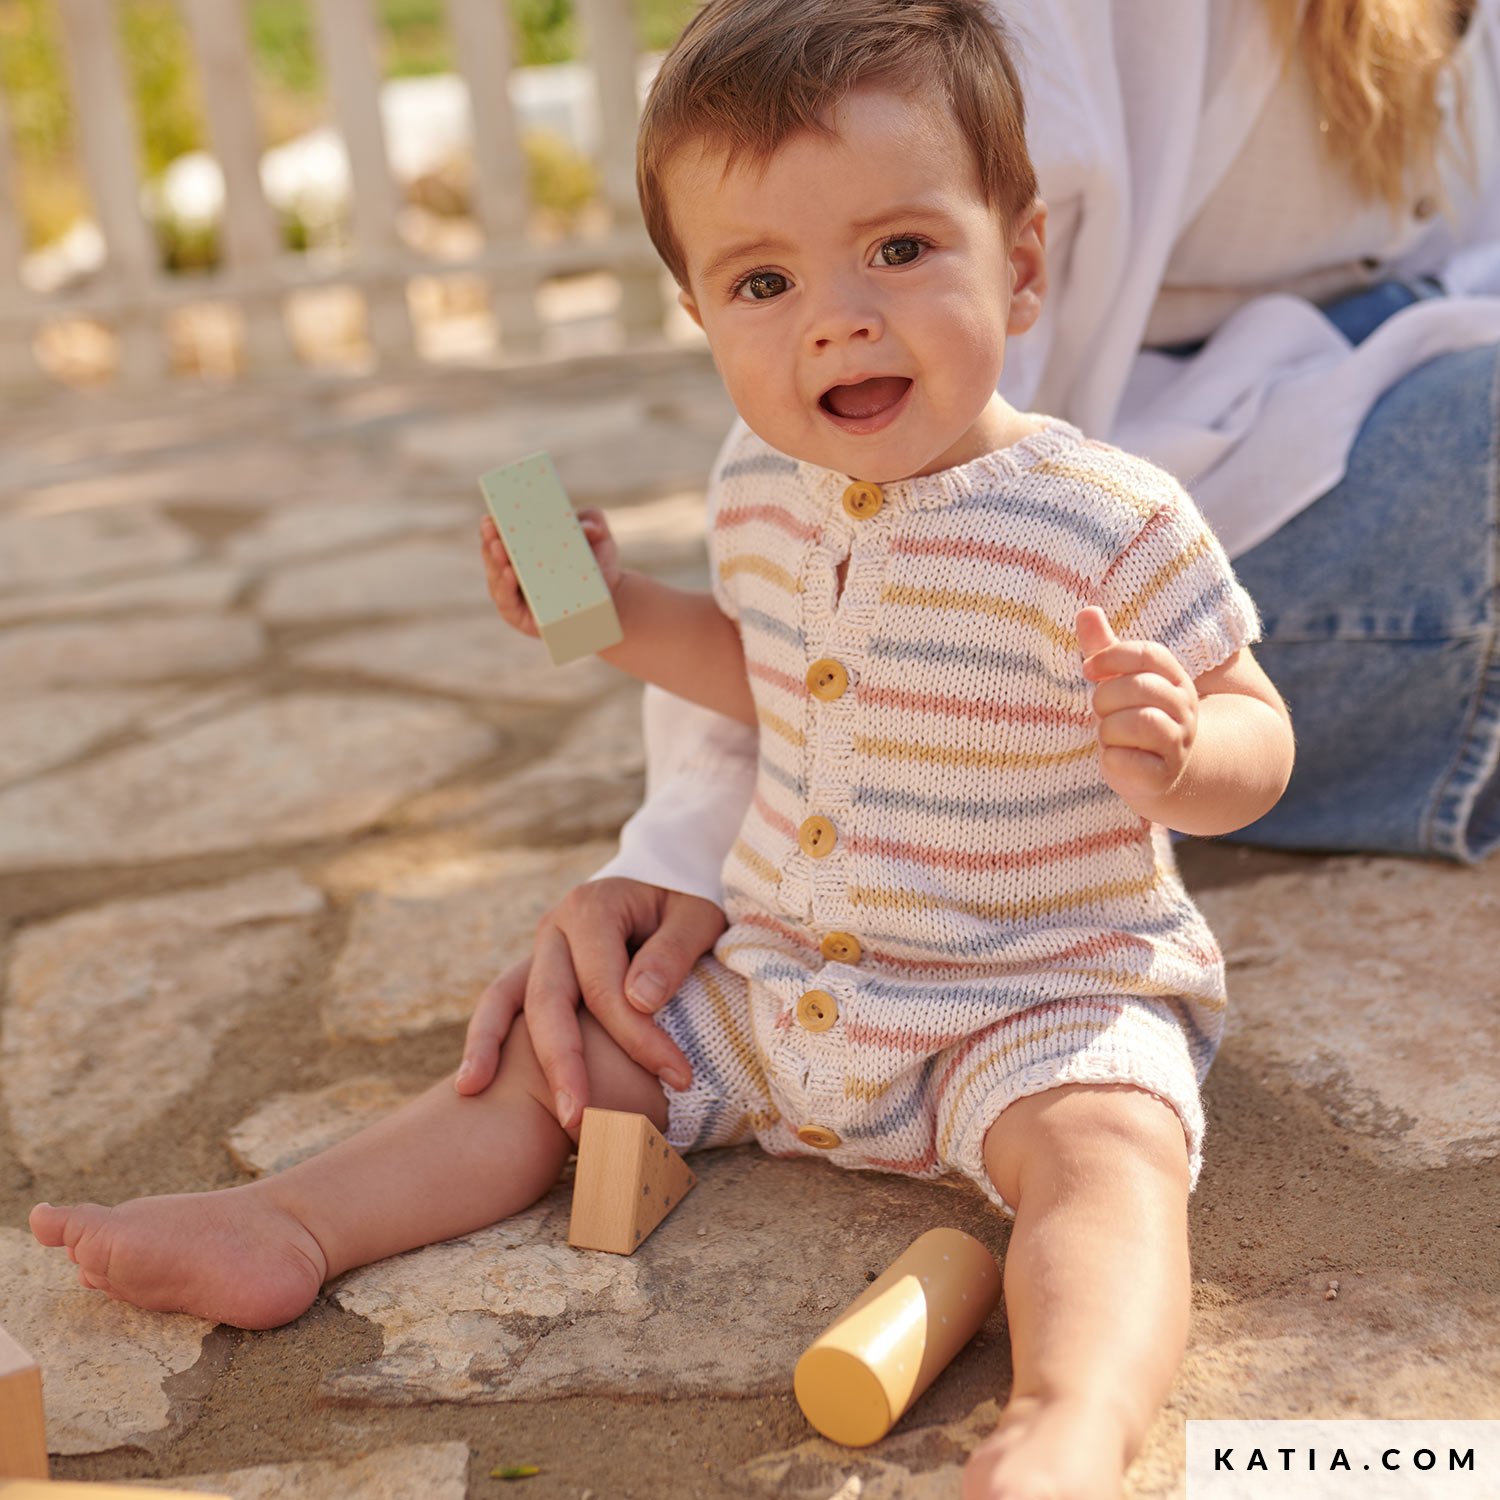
x,y
1121,1039
728,1099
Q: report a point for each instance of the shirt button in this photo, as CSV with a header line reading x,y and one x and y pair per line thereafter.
x,y
841,948
817,1010
827,679
818,1135
863,500
816,837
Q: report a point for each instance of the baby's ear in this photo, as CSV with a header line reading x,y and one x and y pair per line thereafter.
x,y
1028,268
686,303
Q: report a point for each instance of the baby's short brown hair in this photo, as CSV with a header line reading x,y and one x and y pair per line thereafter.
x,y
746,75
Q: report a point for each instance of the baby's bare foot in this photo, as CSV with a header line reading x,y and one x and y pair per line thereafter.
x,y
231,1256
1053,1450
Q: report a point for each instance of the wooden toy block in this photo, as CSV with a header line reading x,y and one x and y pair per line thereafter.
x,y
873,1361
552,558
23,1433
627,1181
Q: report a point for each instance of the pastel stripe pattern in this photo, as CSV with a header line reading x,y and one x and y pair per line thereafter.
x,y
1017,926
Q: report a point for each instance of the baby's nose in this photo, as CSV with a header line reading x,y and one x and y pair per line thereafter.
x,y
843,317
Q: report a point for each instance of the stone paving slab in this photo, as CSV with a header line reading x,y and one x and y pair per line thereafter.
x,y
43,551
421,949
114,1012
418,1471
35,656
105,1366
297,767
1373,1027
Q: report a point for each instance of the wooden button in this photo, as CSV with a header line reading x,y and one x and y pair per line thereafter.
x,y
863,500
841,948
817,1010
817,837
818,1135
827,679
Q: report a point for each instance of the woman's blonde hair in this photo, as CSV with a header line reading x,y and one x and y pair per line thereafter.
x,y
1375,65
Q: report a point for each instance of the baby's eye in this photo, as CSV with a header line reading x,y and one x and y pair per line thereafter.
x,y
761,286
902,250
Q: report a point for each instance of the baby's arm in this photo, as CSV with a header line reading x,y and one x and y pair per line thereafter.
x,y
679,640
1203,756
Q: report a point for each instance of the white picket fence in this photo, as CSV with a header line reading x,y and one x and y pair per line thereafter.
x,y
133,296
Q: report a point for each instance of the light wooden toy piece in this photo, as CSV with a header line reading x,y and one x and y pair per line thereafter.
x,y
23,1433
873,1361
553,560
627,1181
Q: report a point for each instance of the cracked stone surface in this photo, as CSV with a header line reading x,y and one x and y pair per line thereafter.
x,y
302,766
1372,1030
471,657
420,950
104,1365
413,577
418,1471
38,551
211,586
513,1313
45,655
588,784
330,528
47,729
114,1012
279,795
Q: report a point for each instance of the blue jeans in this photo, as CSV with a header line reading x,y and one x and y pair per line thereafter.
x,y
1379,603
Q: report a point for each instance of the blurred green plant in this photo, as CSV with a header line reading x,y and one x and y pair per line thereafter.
x,y
283,41
563,182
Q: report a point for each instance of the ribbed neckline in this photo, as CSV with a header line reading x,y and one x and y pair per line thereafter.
x,y
979,475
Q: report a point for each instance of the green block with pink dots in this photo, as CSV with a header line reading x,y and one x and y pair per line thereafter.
x,y
554,563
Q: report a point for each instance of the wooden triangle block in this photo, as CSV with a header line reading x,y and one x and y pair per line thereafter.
x,y
627,1181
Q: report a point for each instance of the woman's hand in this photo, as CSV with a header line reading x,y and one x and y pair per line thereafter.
x,y
500,574
1147,708
583,951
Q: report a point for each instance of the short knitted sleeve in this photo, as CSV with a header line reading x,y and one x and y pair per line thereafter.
x,y
1173,584
726,467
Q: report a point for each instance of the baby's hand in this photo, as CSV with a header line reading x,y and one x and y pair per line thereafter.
x,y
1146,705
504,586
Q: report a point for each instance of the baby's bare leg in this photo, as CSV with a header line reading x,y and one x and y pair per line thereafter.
x,y
443,1165
1097,1288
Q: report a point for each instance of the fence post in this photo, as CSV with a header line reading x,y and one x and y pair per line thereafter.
x,y
481,41
350,46
251,238
17,367
111,160
609,27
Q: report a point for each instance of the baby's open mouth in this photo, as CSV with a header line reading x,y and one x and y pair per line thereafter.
x,y
867,398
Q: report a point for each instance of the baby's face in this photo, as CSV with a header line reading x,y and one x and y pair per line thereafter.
x,y
857,291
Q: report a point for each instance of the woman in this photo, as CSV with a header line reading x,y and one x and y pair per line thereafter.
x,y
1274,236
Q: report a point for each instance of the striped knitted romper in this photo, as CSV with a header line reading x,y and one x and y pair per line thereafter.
x,y
936,904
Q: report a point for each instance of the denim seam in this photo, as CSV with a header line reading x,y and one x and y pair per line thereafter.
x,y
1476,760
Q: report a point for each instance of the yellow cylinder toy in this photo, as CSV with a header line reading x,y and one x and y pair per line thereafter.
x,y
873,1361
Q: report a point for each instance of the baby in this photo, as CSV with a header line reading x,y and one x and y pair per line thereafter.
x,y
992,663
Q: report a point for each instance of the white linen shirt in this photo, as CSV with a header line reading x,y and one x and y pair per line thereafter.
x,y
1146,142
